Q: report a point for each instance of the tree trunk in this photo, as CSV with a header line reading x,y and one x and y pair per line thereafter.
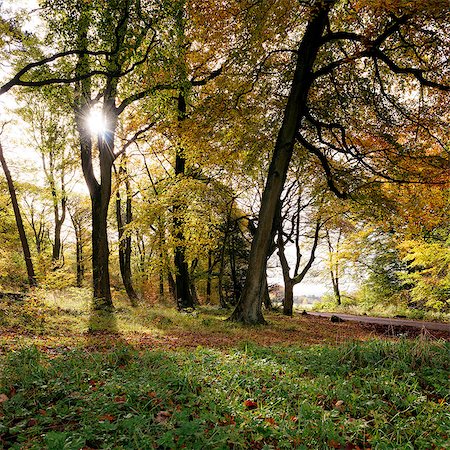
x,y
125,242
100,252
172,286
80,262
288,302
208,278
267,301
183,292
336,290
248,310
19,222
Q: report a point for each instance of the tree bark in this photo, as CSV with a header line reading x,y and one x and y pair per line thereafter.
x,y
208,278
266,300
125,242
19,222
80,261
248,310
182,282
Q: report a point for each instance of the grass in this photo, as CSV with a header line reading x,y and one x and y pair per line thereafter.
x,y
153,378
361,395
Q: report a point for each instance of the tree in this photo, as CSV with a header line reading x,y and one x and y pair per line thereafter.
x,y
19,222
340,117
47,115
126,35
79,212
124,220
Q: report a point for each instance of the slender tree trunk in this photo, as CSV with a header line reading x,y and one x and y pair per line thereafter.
x,y
208,278
336,290
125,242
19,222
59,221
267,301
161,284
80,262
248,310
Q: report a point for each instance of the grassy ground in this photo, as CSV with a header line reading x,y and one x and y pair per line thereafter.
x,y
152,378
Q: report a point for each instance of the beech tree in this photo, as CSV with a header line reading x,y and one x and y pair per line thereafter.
x,y
46,113
19,221
353,61
301,219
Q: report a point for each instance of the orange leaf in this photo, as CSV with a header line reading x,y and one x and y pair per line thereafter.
x,y
270,420
250,404
108,417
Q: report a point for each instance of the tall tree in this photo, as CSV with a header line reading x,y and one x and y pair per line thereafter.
x,y
19,222
124,218
336,109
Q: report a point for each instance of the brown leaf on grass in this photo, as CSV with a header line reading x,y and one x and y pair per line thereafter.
x,y
162,417
250,404
32,423
334,444
120,399
3,398
152,394
108,417
339,405
270,420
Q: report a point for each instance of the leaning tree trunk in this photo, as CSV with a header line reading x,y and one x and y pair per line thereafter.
x,y
19,222
248,310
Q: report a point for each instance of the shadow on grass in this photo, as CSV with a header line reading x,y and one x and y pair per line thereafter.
x,y
103,331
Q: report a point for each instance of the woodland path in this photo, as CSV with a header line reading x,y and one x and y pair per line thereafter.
x,y
430,326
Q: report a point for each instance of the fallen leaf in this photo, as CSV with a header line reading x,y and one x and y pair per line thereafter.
x,y
334,444
162,417
120,399
32,423
250,404
270,420
3,398
339,405
108,417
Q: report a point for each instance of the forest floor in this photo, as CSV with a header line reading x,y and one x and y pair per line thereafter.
x,y
55,321
150,377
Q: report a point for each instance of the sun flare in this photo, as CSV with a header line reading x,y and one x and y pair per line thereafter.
x,y
97,122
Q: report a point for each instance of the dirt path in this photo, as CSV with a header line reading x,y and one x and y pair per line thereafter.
x,y
430,326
